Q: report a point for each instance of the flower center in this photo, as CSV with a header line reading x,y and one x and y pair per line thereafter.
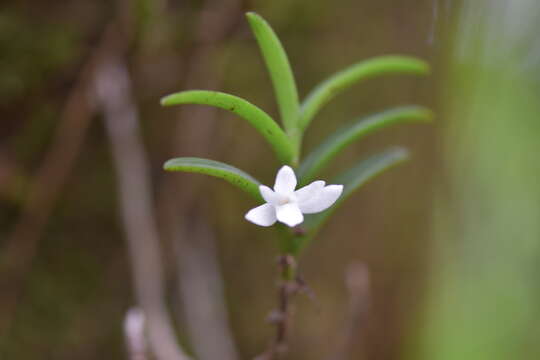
x,y
286,199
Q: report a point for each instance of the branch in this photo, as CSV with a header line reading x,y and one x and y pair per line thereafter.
x,y
113,91
289,286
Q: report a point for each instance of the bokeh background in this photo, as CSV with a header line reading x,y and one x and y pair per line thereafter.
x,y
90,225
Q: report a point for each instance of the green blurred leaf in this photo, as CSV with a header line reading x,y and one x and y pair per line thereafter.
x,y
279,68
344,79
352,180
254,115
217,169
325,152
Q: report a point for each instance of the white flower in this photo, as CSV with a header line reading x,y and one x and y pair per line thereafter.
x,y
286,205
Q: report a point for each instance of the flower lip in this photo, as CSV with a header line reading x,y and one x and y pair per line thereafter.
x,y
286,205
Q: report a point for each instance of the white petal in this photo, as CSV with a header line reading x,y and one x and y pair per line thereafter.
x,y
322,200
309,191
289,214
264,215
285,180
268,194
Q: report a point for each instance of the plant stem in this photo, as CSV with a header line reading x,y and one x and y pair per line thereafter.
x,y
281,317
295,135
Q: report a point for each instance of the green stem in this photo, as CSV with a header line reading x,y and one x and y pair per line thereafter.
x,y
295,136
288,267
290,239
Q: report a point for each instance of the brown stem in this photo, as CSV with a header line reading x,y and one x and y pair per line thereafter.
x,y
289,286
287,289
114,95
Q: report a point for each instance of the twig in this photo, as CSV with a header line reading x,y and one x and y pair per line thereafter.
x,y
134,333
113,91
289,285
21,246
287,289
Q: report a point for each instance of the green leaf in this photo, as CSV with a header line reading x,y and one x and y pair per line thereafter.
x,y
254,115
352,180
217,169
342,80
325,152
279,68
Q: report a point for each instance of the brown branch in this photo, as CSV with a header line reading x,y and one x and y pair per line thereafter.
x,y
289,286
21,246
113,91
287,289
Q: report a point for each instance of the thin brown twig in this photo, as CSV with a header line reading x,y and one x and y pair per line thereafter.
x,y
289,286
287,289
113,89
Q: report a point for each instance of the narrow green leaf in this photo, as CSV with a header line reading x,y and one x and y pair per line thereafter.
x,y
342,80
254,115
217,169
352,180
279,68
325,152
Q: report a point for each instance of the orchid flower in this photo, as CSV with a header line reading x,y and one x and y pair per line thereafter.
x,y
286,205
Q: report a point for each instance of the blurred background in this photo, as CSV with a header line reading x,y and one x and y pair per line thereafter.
x,y
91,226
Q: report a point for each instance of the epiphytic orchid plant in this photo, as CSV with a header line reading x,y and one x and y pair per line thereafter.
x,y
283,204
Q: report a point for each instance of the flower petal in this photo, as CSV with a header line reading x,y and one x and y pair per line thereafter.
x,y
268,194
264,215
309,191
285,180
322,200
289,214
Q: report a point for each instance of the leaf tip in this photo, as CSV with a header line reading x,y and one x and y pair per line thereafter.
x,y
422,114
165,101
256,21
252,15
419,65
168,165
424,66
